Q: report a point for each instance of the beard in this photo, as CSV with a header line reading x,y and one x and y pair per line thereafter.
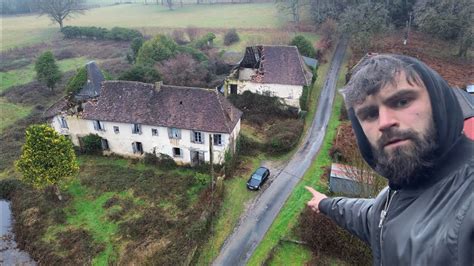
x,y
409,165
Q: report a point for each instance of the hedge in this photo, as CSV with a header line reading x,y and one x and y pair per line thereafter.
x,y
98,33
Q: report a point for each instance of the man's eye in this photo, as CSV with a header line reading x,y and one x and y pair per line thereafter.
x,y
370,116
402,102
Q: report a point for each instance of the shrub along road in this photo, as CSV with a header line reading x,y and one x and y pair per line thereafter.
x,y
255,222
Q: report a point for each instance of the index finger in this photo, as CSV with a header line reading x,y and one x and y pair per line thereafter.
x,y
312,190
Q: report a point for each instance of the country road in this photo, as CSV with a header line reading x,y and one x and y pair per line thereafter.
x,y
239,247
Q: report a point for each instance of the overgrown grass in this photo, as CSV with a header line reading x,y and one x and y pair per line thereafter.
x,y
19,31
288,216
290,254
9,113
27,74
115,208
235,197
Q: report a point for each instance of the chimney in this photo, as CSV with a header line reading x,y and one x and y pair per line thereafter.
x,y
158,85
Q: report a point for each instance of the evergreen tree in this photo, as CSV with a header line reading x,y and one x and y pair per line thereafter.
x,y
47,71
47,158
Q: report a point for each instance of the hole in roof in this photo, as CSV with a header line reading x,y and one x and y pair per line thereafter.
x,y
180,102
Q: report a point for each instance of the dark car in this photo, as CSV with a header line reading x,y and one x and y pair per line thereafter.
x,y
258,178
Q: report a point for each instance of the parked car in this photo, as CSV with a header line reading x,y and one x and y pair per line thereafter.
x,y
257,179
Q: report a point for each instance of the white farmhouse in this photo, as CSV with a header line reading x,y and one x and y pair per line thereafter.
x,y
134,118
275,70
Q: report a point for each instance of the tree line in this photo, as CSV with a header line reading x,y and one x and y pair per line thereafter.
x,y
449,20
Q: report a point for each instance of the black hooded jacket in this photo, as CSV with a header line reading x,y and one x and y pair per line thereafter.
x,y
434,223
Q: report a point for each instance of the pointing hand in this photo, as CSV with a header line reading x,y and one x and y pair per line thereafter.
x,y
317,197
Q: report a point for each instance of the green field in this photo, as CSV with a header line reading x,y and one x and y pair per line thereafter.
x,y
27,74
10,112
19,31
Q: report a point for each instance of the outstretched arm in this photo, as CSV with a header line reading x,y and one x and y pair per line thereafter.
x,y
351,214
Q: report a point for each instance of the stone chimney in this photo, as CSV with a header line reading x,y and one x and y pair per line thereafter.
x,y
158,85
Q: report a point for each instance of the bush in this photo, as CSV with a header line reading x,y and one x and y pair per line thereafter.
x,y
91,144
141,73
201,178
205,42
324,236
304,46
284,135
178,37
77,81
65,54
258,108
8,187
195,53
231,37
155,50
304,98
162,160
116,33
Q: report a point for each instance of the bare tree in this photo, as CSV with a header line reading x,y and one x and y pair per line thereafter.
x,y
354,165
292,7
60,10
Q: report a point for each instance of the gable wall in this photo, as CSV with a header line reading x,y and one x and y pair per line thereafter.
x,y
289,93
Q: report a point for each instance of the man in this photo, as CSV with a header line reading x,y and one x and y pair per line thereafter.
x,y
408,126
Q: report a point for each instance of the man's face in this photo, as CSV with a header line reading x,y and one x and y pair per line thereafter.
x,y
398,123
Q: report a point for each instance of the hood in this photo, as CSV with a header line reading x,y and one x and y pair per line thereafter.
x,y
254,182
447,114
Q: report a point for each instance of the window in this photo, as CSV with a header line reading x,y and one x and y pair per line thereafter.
x,y
174,133
116,129
233,88
137,147
197,137
62,122
137,129
105,144
217,139
177,152
154,132
98,126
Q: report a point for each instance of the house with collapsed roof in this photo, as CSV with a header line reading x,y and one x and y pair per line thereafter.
x,y
133,118
275,70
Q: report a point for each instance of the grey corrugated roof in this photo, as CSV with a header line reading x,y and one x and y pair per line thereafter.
x,y
310,61
92,87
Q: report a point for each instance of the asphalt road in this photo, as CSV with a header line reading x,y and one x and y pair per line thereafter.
x,y
238,248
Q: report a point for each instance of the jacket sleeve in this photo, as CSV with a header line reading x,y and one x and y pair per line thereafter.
x,y
354,215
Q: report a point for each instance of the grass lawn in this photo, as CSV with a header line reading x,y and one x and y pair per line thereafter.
x,y
27,74
290,254
10,112
19,31
288,216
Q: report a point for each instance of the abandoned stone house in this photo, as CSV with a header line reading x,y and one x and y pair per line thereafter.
x,y
274,70
134,118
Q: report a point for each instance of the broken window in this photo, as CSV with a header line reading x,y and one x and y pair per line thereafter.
x,y
137,147
177,152
137,129
197,137
174,133
62,122
233,88
154,132
98,126
116,129
105,144
217,139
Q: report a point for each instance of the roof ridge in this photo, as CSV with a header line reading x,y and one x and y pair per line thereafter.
x,y
226,115
185,87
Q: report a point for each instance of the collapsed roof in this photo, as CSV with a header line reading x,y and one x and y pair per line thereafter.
x,y
276,65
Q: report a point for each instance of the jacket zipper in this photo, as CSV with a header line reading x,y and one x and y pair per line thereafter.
x,y
383,214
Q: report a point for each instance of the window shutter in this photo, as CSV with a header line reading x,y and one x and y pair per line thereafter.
x,y
192,135
96,126
170,133
178,133
134,147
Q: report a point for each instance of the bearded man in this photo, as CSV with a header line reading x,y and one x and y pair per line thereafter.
x,y
408,126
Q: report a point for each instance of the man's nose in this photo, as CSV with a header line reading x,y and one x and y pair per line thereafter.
x,y
387,119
